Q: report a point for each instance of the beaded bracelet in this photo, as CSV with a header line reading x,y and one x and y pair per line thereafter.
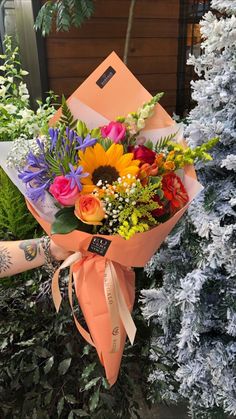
x,y
50,264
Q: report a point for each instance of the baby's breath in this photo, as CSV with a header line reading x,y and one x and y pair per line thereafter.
x,y
125,216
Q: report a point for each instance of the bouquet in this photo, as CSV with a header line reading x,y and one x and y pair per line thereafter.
x,y
108,180
110,193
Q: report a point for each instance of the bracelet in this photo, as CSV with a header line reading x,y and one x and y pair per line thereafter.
x,y
50,264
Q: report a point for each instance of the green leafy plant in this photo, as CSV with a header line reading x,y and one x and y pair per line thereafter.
x,y
67,13
46,368
16,117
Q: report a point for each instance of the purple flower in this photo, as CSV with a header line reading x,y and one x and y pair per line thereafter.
x,y
86,142
37,193
75,175
27,175
53,132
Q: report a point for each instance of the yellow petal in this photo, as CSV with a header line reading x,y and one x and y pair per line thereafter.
x,y
99,156
132,170
114,153
124,161
88,189
87,180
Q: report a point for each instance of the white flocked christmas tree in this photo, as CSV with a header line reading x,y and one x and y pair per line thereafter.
x,y
193,305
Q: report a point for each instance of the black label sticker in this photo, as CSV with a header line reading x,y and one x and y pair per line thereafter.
x,y
99,245
105,77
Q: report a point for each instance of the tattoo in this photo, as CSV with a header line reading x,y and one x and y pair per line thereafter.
x,y
5,259
30,249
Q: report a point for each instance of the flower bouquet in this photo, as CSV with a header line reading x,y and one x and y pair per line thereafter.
x,y
110,192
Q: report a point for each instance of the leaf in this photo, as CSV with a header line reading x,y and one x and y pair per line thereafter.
x,y
163,141
105,383
149,144
80,413
48,397
36,376
94,400
91,383
48,364
64,366
42,352
67,118
71,415
87,371
60,406
64,223
70,398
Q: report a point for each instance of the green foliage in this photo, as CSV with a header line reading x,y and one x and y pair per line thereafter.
x,y
67,118
66,222
163,141
46,368
16,117
67,13
15,220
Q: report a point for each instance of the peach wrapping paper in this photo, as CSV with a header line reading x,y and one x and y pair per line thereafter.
x,y
89,277
120,94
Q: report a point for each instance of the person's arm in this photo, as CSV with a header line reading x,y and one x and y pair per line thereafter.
x,y
20,256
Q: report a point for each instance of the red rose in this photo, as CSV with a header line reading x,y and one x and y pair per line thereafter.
x,y
174,191
144,154
161,210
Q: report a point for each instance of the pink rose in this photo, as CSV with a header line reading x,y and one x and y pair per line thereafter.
x,y
89,209
114,130
62,191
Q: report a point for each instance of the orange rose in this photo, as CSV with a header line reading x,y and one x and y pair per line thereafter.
x,y
89,209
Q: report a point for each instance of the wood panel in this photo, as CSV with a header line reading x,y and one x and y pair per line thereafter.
x,y
153,52
61,47
116,28
152,82
82,67
168,9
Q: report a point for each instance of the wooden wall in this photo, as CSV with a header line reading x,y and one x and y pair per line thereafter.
x,y
73,55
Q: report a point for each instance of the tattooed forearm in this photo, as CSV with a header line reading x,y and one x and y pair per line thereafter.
x,y
5,259
30,248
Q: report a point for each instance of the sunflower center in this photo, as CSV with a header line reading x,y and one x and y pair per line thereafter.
x,y
105,173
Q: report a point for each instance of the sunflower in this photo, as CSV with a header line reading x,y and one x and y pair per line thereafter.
x,y
105,166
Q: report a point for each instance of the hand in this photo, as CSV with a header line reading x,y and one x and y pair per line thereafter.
x,y
58,253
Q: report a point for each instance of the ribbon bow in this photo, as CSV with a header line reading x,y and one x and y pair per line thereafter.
x,y
108,272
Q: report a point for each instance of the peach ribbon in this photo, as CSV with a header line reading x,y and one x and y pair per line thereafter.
x,y
116,303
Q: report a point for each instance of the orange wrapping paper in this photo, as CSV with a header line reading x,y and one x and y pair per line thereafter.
x,y
121,94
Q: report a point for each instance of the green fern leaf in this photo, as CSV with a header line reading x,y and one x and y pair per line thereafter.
x,y
163,141
67,118
16,222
